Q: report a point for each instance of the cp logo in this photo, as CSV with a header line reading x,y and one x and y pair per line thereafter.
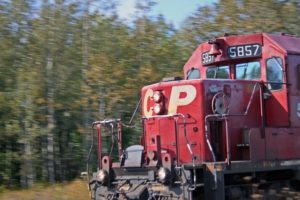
x,y
181,95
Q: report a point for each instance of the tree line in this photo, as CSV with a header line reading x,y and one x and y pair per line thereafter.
x,y
67,63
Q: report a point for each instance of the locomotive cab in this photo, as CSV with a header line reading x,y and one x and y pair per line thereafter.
x,y
271,60
229,130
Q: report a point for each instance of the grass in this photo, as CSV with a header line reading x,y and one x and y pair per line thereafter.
x,y
75,190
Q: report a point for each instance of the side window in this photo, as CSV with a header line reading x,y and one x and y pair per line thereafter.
x,y
274,73
193,74
218,72
248,71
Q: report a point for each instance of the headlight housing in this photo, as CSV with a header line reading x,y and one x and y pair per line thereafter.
x,y
102,176
158,109
163,174
157,96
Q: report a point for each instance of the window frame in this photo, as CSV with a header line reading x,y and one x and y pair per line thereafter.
x,y
282,69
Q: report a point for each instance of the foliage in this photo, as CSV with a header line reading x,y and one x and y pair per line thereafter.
x,y
241,16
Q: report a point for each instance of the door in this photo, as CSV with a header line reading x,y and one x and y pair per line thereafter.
x,y
276,101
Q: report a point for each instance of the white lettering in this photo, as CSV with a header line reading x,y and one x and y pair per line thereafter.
x,y
175,99
256,48
148,94
248,50
232,52
240,51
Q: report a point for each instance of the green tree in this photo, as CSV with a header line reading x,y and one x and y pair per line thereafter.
x,y
238,17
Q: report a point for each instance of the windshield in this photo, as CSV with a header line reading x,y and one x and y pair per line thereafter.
x,y
221,72
248,71
193,74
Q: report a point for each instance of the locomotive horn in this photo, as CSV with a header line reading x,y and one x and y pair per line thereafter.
x,y
215,47
215,50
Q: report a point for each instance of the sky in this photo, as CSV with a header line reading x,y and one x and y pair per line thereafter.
x,y
175,11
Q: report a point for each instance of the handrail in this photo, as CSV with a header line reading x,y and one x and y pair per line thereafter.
x,y
99,135
111,123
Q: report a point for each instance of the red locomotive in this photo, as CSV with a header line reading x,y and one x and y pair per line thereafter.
x,y
229,130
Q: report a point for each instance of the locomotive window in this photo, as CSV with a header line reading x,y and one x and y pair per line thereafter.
x,y
247,71
221,72
193,74
274,73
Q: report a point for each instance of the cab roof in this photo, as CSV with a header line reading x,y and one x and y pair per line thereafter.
x,y
286,43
